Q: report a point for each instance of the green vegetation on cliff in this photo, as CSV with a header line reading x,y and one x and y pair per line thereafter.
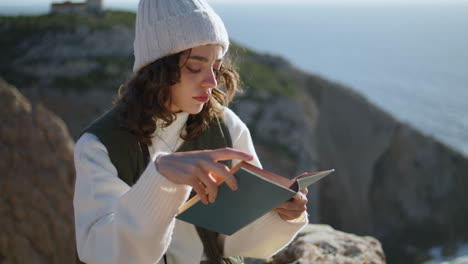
x,y
262,71
257,71
17,29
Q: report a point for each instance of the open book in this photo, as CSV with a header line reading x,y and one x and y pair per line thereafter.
x,y
259,191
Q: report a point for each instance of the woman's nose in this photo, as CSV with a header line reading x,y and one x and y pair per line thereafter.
x,y
209,80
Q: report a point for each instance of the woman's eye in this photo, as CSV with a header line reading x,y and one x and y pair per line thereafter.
x,y
216,71
193,70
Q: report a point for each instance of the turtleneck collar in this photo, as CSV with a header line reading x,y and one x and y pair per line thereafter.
x,y
169,135
180,120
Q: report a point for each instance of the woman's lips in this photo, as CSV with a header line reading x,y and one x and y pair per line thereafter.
x,y
202,99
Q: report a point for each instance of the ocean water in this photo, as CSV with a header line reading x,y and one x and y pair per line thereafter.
x,y
410,59
460,257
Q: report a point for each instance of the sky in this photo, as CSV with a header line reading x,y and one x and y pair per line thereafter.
x,y
8,7
134,2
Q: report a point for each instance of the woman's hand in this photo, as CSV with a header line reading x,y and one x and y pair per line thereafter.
x,y
201,170
294,207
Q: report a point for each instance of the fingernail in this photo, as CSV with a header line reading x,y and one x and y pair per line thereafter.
x,y
207,199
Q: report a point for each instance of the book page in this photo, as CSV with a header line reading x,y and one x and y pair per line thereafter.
x,y
283,181
306,179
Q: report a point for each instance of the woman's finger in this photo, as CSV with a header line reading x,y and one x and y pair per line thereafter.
x,y
222,171
288,215
300,197
200,190
295,203
292,206
210,183
229,154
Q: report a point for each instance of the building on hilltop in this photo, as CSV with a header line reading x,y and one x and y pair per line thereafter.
x,y
67,7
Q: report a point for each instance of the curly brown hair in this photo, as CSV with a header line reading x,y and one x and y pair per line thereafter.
x,y
143,99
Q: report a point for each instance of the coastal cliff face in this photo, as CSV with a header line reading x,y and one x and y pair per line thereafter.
x,y
391,181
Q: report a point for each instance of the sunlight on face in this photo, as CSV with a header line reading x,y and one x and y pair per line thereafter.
x,y
197,80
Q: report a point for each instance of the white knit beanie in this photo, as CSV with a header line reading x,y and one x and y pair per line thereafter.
x,y
165,27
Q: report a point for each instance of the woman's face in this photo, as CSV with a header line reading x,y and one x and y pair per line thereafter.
x,y
197,80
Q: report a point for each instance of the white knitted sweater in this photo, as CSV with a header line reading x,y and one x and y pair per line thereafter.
x,y
117,224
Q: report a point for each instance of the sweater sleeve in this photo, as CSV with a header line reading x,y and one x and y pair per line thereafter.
x,y
268,234
116,223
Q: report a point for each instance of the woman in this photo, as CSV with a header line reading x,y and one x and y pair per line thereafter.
x,y
168,134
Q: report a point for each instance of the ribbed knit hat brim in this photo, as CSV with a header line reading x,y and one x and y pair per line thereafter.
x,y
171,26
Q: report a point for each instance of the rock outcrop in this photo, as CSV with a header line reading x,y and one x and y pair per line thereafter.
x,y
281,124
323,244
36,183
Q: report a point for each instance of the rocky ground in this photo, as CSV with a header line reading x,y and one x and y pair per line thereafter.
x,y
323,244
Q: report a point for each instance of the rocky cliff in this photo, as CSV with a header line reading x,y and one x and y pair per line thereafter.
x,y
36,184
391,181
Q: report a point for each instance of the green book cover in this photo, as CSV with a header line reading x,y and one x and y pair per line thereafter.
x,y
259,192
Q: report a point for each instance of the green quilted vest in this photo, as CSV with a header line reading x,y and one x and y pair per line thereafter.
x,y
128,156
